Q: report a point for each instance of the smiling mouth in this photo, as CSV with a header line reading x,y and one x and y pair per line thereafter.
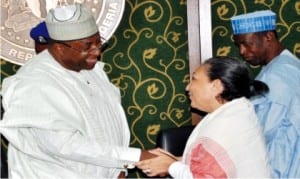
x,y
91,61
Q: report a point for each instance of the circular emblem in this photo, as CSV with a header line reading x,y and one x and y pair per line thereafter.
x,y
19,16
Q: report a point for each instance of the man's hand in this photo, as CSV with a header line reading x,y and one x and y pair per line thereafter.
x,y
122,175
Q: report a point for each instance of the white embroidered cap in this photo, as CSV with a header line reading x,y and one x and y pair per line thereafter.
x,y
254,22
71,22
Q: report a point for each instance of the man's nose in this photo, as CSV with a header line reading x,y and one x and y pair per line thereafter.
x,y
242,50
95,50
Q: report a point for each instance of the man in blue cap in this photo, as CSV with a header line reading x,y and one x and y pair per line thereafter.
x,y
255,36
40,36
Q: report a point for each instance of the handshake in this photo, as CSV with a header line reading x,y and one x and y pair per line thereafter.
x,y
156,162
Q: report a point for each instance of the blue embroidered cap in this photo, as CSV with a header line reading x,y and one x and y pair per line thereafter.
x,y
40,33
254,22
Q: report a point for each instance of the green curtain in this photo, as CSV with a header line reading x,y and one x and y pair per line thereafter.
x,y
147,59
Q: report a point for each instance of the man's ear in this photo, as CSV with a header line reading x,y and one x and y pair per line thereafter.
x,y
270,35
57,48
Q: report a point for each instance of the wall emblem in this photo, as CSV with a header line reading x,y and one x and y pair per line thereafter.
x,y
19,16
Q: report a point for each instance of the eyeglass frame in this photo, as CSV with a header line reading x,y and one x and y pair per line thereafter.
x,y
101,47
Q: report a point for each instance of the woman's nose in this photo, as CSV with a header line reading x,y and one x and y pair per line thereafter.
x,y
187,87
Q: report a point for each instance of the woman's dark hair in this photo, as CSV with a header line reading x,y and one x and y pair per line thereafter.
x,y
235,76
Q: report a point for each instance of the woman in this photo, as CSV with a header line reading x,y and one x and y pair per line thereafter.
x,y
227,142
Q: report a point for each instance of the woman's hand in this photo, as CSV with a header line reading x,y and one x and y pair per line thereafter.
x,y
157,166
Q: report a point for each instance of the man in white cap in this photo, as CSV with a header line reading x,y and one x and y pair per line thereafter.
x,y
255,36
63,117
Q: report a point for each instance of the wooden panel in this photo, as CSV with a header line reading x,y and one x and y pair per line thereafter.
x,y
199,36
193,34
205,29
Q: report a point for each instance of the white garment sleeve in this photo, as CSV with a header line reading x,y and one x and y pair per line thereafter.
x,y
180,170
73,146
55,146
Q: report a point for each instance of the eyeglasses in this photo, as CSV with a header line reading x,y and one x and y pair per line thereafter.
x,y
79,50
101,47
